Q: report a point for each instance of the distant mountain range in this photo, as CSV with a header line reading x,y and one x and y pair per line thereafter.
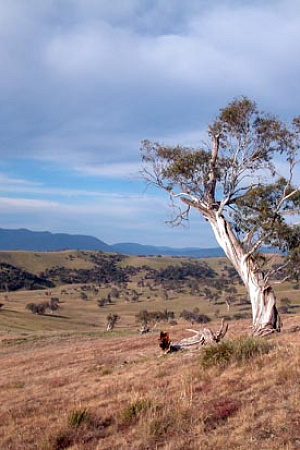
x,y
23,239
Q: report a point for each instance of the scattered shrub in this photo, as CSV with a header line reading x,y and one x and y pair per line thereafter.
x,y
147,317
194,316
37,308
101,302
219,355
112,320
248,348
234,351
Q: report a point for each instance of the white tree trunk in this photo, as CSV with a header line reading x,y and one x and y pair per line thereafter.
x,y
109,326
265,317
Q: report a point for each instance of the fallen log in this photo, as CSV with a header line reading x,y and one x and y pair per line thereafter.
x,y
200,338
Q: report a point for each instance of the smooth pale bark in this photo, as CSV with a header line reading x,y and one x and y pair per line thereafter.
x,y
200,338
264,312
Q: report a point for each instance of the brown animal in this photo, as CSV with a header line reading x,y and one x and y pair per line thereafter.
x,y
164,340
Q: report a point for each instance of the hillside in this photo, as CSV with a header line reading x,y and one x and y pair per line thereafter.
x,y
27,240
67,383
112,392
124,285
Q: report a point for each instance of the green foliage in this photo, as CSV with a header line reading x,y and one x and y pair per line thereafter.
x,y
240,351
14,278
37,308
194,316
236,176
219,355
105,270
145,317
257,210
247,348
185,271
112,320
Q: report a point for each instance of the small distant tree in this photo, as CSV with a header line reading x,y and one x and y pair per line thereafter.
x,y
54,305
37,308
135,296
84,296
112,320
194,316
151,317
235,184
144,317
101,302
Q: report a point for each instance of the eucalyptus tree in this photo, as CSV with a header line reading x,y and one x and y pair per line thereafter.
x,y
234,181
112,320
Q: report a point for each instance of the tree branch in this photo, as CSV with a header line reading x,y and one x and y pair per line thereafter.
x,y
212,179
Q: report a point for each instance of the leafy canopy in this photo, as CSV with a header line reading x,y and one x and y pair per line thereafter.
x,y
237,174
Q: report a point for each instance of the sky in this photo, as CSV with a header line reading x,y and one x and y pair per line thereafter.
x,y
83,82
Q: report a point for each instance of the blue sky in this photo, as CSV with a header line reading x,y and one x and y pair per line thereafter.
x,y
83,82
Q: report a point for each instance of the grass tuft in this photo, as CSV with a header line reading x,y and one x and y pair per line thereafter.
x,y
227,352
250,347
134,410
78,417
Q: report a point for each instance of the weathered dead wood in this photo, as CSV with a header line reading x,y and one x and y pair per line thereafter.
x,y
293,329
145,329
202,337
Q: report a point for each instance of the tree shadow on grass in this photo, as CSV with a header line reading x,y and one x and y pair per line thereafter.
x,y
56,316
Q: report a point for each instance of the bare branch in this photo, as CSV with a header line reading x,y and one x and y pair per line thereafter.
x,y
202,337
212,177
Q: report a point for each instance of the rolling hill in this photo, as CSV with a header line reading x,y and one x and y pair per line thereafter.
x,y
27,240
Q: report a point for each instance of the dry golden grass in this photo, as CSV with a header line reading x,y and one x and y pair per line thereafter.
x,y
112,392
35,262
66,383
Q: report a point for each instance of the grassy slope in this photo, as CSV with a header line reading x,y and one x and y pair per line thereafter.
x,y
78,315
129,396
35,262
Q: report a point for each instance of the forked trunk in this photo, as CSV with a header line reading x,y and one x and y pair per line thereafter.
x,y
265,316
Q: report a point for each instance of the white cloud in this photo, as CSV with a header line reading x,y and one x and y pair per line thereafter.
x,y
18,182
83,82
21,204
126,170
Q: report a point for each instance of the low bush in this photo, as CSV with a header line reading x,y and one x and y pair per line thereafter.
x,y
239,351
